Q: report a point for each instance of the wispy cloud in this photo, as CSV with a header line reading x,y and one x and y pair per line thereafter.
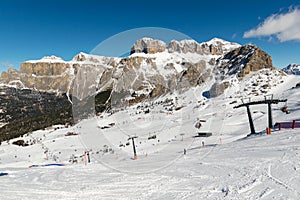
x,y
284,26
6,64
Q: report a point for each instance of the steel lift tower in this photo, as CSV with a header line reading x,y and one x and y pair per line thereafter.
x,y
269,102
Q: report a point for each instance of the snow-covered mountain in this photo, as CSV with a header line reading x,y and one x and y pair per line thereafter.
x,y
153,69
151,62
168,95
215,46
292,69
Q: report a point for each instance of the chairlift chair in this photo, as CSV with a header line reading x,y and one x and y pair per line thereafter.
x,y
284,109
198,125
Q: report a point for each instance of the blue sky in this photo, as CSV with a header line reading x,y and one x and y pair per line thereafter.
x,y
32,29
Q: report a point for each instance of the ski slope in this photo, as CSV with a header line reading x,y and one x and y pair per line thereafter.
x,y
228,166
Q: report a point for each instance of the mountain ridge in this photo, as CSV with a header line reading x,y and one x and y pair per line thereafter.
x,y
292,69
147,74
163,63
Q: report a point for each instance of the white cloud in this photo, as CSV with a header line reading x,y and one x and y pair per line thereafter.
x,y
285,26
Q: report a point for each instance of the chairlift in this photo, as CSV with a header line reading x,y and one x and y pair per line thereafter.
x,y
285,110
198,125
152,137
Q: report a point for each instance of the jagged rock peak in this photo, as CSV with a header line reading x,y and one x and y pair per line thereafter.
x,y
91,59
225,45
186,42
148,45
185,46
243,60
292,69
215,46
80,57
215,41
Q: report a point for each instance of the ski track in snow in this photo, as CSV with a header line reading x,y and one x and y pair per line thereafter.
x,y
229,166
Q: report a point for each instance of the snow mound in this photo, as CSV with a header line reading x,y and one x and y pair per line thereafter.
x,y
48,59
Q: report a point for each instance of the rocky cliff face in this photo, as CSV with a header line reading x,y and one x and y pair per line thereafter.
x,y
156,69
11,77
213,47
148,45
47,74
243,60
153,69
136,72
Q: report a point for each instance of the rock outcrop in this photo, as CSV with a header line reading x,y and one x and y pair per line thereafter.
x,y
11,77
45,76
148,45
193,73
242,61
189,46
213,47
217,89
48,74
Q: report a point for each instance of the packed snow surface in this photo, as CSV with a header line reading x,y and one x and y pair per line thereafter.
x,y
227,165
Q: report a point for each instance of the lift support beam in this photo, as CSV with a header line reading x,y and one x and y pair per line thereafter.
x,y
266,101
